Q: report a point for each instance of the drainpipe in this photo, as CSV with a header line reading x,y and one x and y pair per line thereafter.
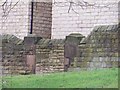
x,y
32,7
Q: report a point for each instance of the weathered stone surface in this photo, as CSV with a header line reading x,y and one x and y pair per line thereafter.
x,y
71,46
50,54
98,50
101,47
74,38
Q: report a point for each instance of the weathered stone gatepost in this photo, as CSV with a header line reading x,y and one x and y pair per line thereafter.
x,y
71,48
30,51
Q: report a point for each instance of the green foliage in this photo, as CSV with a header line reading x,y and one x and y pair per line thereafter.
x,y
100,78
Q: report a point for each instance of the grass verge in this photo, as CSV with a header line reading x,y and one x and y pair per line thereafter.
x,y
102,78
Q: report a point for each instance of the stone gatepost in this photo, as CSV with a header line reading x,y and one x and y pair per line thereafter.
x,y
71,47
30,51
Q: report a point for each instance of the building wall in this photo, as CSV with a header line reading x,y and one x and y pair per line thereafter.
x,y
62,19
82,19
18,20
15,20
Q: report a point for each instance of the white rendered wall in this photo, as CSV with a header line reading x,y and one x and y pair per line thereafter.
x,y
17,21
78,20
104,12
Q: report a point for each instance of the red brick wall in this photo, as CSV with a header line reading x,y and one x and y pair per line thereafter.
x,y
42,19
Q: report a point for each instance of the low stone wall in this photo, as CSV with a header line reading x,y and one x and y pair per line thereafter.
x,y
36,55
49,56
31,55
99,49
13,58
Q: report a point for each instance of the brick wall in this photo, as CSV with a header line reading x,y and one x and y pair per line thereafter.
x,y
56,16
15,21
42,19
82,19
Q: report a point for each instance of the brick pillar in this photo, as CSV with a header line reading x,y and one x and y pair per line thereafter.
x,y
42,18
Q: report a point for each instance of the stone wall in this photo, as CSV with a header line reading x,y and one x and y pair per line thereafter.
x,y
13,55
0,57
31,55
99,49
82,17
50,56
38,55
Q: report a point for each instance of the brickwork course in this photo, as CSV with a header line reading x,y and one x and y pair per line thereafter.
x,y
57,19
82,17
21,17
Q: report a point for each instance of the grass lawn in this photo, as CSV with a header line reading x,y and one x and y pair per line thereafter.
x,y
106,78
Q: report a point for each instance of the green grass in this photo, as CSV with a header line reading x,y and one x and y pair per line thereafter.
x,y
106,78
0,82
